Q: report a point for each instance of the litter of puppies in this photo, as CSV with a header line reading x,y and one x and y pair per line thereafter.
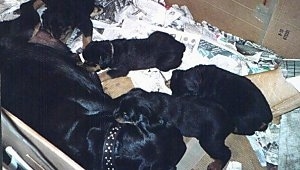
x,y
131,39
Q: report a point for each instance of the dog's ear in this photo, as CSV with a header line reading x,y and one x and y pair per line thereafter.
x,y
176,74
175,82
94,145
156,35
93,138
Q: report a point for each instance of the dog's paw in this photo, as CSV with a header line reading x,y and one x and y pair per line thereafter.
x,y
104,76
216,165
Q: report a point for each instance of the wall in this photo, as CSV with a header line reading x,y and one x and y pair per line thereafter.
x,y
272,23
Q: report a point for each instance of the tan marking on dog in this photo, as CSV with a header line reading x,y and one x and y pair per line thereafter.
x,y
104,76
86,41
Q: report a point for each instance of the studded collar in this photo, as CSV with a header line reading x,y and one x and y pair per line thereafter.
x,y
108,161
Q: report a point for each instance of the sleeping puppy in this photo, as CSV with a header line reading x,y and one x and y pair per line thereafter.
x,y
159,50
203,119
43,87
237,94
23,27
61,17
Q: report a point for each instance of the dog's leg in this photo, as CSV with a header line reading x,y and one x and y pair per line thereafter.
x,y
217,150
96,11
86,26
36,29
86,41
118,73
37,4
104,76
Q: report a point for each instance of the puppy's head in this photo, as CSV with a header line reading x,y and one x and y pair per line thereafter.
x,y
138,107
58,24
194,81
99,52
247,125
133,107
168,41
184,82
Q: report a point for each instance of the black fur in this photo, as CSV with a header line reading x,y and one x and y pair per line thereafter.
x,y
62,15
159,50
244,102
203,119
44,88
23,26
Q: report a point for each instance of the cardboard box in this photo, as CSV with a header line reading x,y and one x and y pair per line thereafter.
x,y
283,33
274,23
32,148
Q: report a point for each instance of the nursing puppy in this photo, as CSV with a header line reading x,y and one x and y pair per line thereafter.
x,y
24,26
43,87
203,119
244,102
159,50
61,17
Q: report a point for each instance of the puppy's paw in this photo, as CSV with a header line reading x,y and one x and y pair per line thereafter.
x,y
104,76
216,165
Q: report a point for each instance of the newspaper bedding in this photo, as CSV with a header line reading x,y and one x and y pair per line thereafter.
x,y
206,44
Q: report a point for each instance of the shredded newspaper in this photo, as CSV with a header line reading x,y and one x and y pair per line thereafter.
x,y
205,44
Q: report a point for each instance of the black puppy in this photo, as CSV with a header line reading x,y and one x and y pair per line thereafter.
x,y
203,119
24,26
244,102
159,50
62,16
44,88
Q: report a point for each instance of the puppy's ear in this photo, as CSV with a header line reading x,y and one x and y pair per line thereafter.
x,y
94,144
155,35
176,74
93,138
174,82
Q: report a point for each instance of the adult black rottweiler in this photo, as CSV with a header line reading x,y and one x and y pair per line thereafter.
x,y
63,16
44,88
244,102
160,50
205,120
23,26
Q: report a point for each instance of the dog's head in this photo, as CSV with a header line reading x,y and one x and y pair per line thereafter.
x,y
138,107
131,147
132,108
99,52
185,82
58,24
196,80
166,40
248,124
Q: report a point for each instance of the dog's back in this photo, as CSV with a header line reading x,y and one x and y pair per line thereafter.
x,y
202,119
237,94
168,50
43,87
53,77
